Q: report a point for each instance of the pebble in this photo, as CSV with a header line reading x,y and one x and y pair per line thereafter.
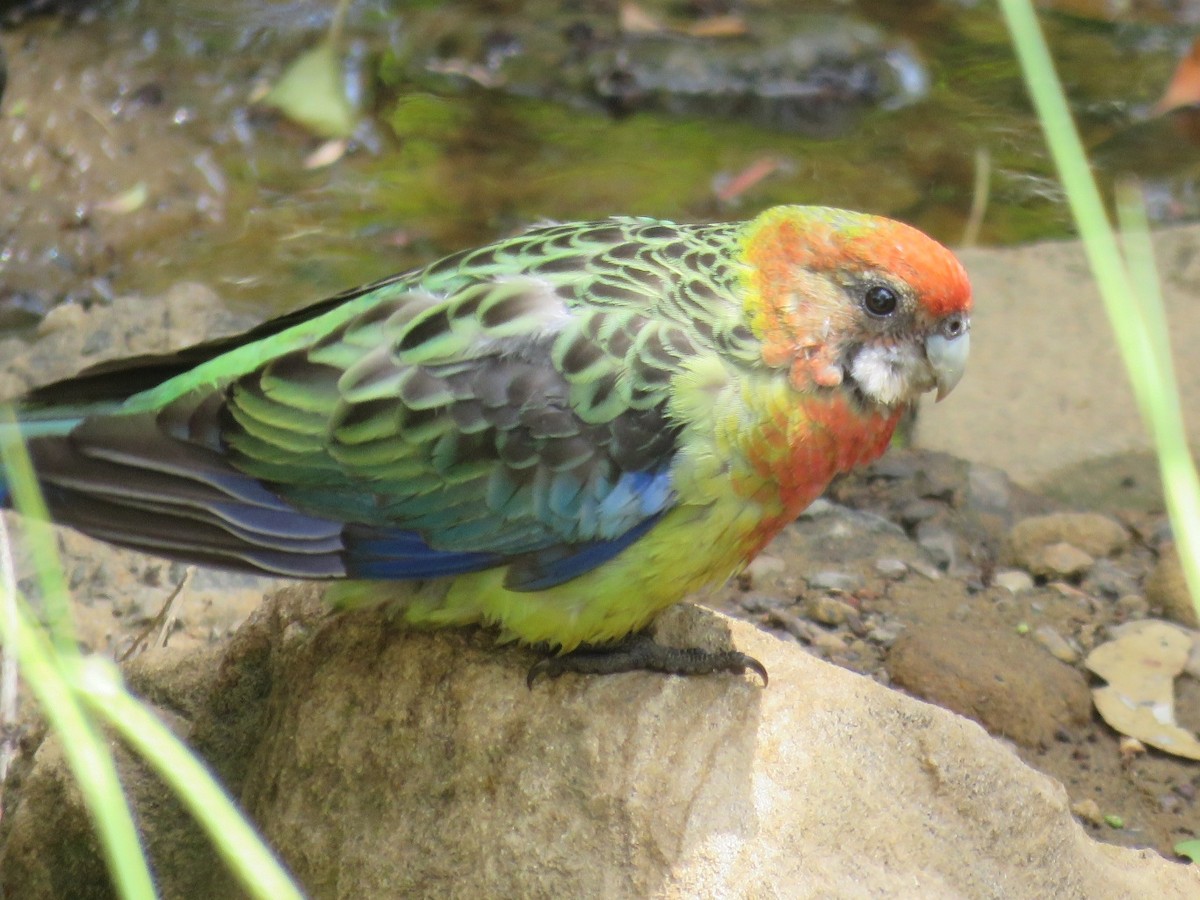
x,y
1061,560
938,542
1092,533
846,582
829,611
764,564
890,568
1014,581
919,511
1089,811
759,602
829,642
1134,606
1057,645
1107,579
988,489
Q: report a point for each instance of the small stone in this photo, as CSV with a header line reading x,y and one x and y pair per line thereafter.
x,y
764,564
1107,579
1169,803
1129,747
846,582
892,569
1013,580
885,634
1089,811
829,642
1061,560
759,602
938,542
1094,534
988,489
919,511
1134,606
828,611
993,676
1167,589
1056,644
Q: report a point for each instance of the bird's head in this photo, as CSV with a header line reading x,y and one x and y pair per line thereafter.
x,y
858,301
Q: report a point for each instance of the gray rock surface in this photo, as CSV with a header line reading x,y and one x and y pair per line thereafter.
x,y
383,762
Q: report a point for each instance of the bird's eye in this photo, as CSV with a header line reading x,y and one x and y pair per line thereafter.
x,y
880,300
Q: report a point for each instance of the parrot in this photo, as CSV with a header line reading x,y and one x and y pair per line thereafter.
x,y
556,435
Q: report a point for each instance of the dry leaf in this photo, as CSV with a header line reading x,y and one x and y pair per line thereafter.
x,y
635,20
1184,87
1140,666
718,27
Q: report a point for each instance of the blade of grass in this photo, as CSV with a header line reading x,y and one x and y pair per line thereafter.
x,y
28,499
1138,324
85,749
99,682
61,678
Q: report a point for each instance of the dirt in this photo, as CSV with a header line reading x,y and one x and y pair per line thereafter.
x,y
906,573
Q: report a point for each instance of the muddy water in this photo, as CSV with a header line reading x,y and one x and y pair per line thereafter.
x,y
133,155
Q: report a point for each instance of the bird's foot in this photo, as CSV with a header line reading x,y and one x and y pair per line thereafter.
x,y
639,652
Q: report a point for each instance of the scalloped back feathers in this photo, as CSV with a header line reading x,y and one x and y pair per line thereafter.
x,y
578,425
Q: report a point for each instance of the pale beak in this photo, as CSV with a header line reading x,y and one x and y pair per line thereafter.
x,y
948,358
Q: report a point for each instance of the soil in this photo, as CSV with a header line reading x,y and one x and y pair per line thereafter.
x,y
907,572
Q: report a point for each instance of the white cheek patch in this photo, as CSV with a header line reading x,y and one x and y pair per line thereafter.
x,y
890,374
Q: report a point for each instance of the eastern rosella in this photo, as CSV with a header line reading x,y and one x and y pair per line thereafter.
x,y
558,434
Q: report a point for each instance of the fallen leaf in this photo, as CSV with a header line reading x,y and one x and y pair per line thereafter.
x,y
717,27
310,93
1184,86
1140,666
127,201
732,187
326,155
635,20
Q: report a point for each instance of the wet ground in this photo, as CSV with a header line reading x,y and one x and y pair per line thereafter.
x,y
135,160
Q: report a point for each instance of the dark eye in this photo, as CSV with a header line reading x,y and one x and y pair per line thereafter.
x,y
880,300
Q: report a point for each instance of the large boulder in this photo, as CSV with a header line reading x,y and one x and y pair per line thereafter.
x,y
383,762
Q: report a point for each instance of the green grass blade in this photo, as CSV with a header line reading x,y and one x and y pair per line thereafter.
x,y
86,752
1128,285
56,605
99,682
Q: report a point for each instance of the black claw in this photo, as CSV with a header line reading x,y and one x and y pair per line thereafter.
x,y
640,652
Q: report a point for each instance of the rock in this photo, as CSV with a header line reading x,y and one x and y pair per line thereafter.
x,y
829,611
1134,606
890,568
1107,579
1011,686
988,489
1061,560
1094,534
1167,589
938,541
1054,642
764,564
846,582
1013,580
383,762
